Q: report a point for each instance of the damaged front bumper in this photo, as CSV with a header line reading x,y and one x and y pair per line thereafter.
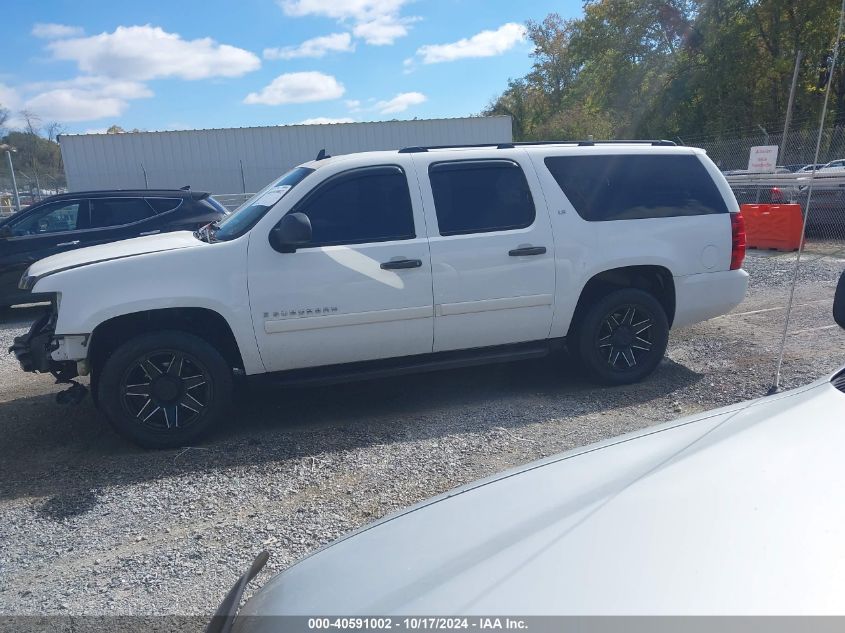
x,y
35,350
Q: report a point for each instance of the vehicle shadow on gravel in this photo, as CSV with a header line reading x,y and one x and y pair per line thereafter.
x,y
69,454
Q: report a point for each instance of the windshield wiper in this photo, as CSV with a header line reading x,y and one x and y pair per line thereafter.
x,y
224,617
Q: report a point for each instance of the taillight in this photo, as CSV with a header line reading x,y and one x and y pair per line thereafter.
x,y
776,195
738,242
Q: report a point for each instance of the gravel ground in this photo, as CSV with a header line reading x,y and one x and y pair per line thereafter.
x,y
92,525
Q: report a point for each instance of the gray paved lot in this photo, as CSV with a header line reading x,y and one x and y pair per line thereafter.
x,y
92,525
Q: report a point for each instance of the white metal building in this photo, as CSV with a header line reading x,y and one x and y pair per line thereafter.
x,y
245,159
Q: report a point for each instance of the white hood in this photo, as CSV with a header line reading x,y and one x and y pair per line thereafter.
x,y
113,250
738,511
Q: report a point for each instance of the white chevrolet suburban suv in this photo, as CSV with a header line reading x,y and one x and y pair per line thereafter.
x,y
397,261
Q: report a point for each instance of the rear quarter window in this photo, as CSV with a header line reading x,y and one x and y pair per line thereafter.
x,y
637,186
163,205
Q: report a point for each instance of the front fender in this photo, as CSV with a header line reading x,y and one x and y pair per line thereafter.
x,y
213,278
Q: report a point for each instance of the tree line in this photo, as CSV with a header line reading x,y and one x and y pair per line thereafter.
x,y
675,69
36,157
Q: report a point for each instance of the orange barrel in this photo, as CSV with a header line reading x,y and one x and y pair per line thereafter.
x,y
773,226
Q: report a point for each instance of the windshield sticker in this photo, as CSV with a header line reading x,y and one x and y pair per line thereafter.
x,y
272,196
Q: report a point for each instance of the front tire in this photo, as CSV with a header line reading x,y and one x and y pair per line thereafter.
x,y
623,337
165,389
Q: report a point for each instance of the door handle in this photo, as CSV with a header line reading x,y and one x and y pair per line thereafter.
x,y
149,232
73,243
398,264
527,250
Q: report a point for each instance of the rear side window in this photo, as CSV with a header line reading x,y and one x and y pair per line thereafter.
x,y
107,212
163,205
480,196
637,186
372,204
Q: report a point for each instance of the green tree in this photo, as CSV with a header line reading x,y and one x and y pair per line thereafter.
x,y
664,68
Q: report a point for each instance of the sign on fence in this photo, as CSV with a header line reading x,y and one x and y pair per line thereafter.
x,y
763,159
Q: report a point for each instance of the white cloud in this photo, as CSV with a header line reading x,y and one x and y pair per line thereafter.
x,y
377,22
84,98
382,31
96,130
324,120
52,31
353,104
401,102
105,86
302,87
74,105
315,47
9,97
483,44
149,52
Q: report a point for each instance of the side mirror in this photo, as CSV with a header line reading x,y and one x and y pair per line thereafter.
x,y
293,231
6,231
839,302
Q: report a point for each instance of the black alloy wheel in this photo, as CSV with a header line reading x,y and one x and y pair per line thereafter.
x,y
622,337
167,390
164,389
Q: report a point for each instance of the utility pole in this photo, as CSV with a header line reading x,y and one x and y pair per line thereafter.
x,y
9,149
789,106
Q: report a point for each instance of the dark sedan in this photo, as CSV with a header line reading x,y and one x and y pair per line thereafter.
x,y
85,218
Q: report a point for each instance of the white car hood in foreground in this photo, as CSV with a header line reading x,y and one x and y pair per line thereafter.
x,y
113,250
738,511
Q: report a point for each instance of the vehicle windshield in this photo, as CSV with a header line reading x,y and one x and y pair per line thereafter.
x,y
250,212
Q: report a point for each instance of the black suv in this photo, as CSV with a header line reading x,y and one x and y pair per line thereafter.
x,y
85,218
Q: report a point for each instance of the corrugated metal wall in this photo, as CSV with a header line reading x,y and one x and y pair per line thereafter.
x,y
214,160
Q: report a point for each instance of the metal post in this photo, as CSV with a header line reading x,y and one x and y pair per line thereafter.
x,y
146,184
766,141
14,182
776,386
791,103
243,180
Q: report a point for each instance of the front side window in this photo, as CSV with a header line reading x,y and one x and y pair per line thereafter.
x,y
52,218
636,186
372,204
107,212
480,196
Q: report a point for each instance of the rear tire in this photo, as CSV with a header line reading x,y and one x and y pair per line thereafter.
x,y
165,389
622,338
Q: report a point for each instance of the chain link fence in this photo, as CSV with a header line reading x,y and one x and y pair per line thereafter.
x,y
793,288
821,193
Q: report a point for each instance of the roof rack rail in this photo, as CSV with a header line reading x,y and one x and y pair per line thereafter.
x,y
588,143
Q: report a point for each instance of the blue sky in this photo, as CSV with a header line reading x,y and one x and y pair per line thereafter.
x,y
178,64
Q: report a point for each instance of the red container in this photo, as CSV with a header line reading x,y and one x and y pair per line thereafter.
x,y
773,226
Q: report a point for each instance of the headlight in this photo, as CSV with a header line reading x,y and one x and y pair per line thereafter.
x,y
27,282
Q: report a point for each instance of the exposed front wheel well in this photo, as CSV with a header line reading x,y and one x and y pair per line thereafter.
x,y
201,322
656,280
